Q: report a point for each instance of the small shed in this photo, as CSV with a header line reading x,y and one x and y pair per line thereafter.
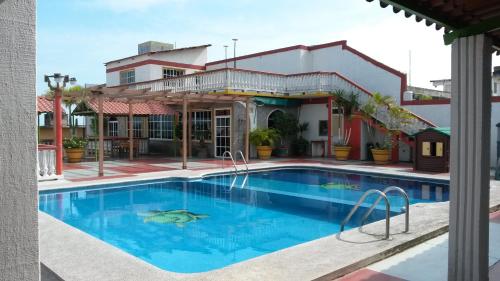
x,y
432,153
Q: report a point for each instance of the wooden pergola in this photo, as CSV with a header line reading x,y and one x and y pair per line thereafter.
x,y
131,96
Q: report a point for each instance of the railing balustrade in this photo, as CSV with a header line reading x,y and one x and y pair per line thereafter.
x,y
276,84
46,168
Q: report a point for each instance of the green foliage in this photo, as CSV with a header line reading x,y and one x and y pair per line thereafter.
x,y
349,102
263,137
286,124
178,130
74,142
422,97
299,146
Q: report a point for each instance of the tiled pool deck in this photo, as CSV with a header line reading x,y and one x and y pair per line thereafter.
x,y
66,250
427,261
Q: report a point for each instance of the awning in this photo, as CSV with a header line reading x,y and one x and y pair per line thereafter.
x,y
276,101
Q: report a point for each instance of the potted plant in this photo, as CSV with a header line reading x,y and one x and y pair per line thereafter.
x,y
397,117
286,125
300,144
74,148
264,139
341,147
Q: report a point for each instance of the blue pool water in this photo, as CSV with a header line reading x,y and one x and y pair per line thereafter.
x,y
223,225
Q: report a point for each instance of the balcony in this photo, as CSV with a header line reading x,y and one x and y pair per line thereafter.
x,y
237,81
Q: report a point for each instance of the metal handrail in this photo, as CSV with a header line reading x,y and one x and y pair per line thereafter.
x,y
407,205
230,157
233,182
361,200
243,158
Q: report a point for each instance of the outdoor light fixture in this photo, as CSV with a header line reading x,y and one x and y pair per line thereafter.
x,y
59,80
57,83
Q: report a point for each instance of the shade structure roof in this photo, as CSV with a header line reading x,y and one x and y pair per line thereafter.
x,y
442,130
122,108
459,18
44,105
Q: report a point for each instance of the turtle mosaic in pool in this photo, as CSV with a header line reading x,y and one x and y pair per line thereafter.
x,y
205,224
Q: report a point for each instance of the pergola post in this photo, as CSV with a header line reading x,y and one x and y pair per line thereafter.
x,y
247,131
184,132
470,163
130,131
100,121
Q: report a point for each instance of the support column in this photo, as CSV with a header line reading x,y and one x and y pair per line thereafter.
x,y
130,132
184,133
58,130
470,163
356,126
100,121
247,131
329,106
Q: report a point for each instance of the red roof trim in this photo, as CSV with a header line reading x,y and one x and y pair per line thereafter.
x,y
280,50
157,62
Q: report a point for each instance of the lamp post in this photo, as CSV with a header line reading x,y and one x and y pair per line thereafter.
x,y
225,52
59,84
234,52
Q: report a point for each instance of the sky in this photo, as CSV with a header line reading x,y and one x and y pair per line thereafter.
x,y
76,37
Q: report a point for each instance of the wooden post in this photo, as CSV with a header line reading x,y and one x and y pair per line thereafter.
x,y
184,132
247,131
101,135
130,132
189,135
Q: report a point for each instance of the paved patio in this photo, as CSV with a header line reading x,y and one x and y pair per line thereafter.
x,y
427,261
87,171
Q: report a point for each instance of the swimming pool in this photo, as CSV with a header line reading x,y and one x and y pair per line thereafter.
x,y
205,224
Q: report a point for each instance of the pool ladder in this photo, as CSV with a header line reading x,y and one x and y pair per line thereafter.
x,y
381,195
239,152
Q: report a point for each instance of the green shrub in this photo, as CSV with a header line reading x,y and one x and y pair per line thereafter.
x,y
74,142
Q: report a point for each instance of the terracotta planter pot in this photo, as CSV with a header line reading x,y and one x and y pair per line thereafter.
x,y
341,152
75,155
381,156
264,152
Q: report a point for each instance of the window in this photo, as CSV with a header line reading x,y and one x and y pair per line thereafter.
x,y
323,128
161,127
127,76
171,72
432,149
137,125
113,127
201,125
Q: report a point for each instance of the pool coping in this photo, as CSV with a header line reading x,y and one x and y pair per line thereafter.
x,y
75,255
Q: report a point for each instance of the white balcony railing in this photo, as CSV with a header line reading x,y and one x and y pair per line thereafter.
x,y
46,162
276,84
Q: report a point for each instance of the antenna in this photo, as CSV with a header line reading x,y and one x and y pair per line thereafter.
x,y
409,67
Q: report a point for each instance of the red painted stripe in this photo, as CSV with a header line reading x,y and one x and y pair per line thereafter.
x,y
156,62
281,50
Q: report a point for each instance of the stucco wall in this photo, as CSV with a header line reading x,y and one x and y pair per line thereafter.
x,y
18,189
312,114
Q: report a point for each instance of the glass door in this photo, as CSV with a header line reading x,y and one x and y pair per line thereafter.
x,y
222,131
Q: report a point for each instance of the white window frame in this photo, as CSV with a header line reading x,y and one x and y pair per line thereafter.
x,y
172,72
195,117
163,128
112,127
129,76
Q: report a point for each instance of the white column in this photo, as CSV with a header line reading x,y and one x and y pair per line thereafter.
x,y
470,163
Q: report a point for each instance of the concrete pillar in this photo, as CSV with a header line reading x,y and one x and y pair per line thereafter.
x,y
18,192
470,165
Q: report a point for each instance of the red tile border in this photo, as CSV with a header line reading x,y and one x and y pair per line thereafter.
x,y
100,178
140,168
368,275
